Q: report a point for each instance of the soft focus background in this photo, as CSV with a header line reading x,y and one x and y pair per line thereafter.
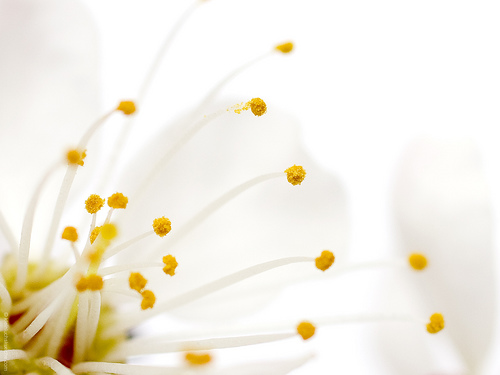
x,y
366,79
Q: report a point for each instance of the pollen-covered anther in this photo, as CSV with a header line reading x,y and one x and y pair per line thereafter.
x,y
93,235
285,47
325,260
94,203
258,106
306,330
70,234
170,264
148,299
95,282
417,261
76,157
197,359
295,174
82,284
127,107
436,323
117,200
108,231
162,226
137,281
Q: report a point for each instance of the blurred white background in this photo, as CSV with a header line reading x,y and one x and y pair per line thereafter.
x,y
366,78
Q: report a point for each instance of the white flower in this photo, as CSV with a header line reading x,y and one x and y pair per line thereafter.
x,y
443,208
231,214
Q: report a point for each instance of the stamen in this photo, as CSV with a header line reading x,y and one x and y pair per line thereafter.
x,y
215,205
8,234
94,203
118,200
162,226
193,295
148,299
76,157
117,150
60,329
24,245
70,234
10,355
170,264
197,359
120,369
417,261
295,174
256,105
191,132
5,298
54,365
95,282
325,260
154,346
81,327
285,47
306,330
137,281
93,235
108,231
436,323
127,107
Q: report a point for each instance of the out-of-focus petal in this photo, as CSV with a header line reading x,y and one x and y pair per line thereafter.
x,y
265,368
269,221
443,210
48,91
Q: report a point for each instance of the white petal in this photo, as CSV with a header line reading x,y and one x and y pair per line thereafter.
x,y
270,221
281,367
48,91
443,210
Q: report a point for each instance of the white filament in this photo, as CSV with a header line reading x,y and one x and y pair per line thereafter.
x,y
154,347
215,205
82,326
24,245
130,321
55,366
9,355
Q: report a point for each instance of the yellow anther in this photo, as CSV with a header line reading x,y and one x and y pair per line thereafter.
x,y
436,323
197,359
108,231
295,175
417,261
170,264
117,200
162,226
127,107
93,235
306,330
148,299
137,281
258,106
95,282
82,284
325,260
285,47
94,203
76,157
70,234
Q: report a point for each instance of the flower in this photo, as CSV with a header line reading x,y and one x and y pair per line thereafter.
x,y
166,236
443,208
68,315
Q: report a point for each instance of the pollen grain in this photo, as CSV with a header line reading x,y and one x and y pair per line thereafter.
x,y
94,203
